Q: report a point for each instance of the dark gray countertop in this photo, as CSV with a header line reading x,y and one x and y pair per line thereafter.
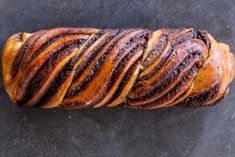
x,y
174,132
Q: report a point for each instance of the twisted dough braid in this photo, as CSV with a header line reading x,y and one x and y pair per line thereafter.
x,y
86,67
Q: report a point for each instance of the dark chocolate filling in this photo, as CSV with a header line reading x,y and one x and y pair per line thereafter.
x,y
159,66
203,97
27,46
60,79
174,91
174,44
95,69
169,77
136,38
112,80
203,36
49,64
156,51
47,44
118,70
184,37
64,33
124,82
94,52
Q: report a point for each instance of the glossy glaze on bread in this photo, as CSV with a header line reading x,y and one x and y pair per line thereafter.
x,y
138,68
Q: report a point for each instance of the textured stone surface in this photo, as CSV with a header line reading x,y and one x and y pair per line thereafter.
x,y
178,131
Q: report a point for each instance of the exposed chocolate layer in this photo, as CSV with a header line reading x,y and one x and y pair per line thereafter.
x,y
174,41
202,98
203,36
93,53
27,46
61,77
156,51
36,82
98,65
124,82
116,72
170,77
174,91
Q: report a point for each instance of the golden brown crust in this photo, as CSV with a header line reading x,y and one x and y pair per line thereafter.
x,y
138,68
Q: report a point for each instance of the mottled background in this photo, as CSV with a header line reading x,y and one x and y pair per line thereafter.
x,y
174,132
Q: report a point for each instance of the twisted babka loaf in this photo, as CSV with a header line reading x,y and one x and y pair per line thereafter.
x,y
87,67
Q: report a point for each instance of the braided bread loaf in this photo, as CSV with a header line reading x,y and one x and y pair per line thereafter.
x,y
87,67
